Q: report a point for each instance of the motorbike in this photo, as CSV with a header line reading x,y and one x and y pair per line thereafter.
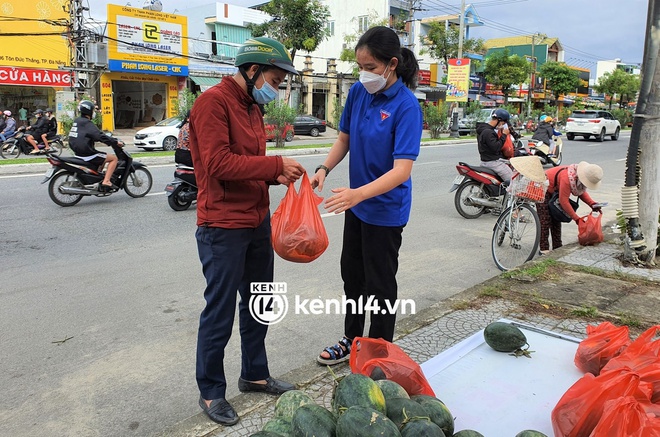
x,y
479,190
541,150
72,178
182,191
14,146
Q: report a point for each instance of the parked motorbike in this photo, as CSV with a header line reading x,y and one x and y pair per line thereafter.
x,y
182,191
541,150
13,147
478,190
72,178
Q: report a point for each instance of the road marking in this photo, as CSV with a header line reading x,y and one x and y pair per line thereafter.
x,y
22,175
417,164
157,194
330,214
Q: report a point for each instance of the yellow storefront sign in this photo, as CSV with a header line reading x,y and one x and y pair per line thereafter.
x,y
34,44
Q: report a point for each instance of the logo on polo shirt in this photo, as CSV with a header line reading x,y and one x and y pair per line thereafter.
x,y
384,115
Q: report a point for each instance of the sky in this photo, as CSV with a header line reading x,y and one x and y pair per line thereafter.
x,y
589,30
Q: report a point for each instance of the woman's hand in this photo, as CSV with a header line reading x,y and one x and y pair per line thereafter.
x,y
344,198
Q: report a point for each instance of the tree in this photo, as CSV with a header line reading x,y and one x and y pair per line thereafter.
x,y
348,52
442,42
560,78
279,114
504,70
618,83
435,117
186,100
298,24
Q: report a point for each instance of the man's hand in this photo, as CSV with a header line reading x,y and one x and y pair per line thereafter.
x,y
318,179
292,170
121,143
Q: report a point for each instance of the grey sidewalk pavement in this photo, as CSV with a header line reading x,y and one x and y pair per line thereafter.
x,y
596,279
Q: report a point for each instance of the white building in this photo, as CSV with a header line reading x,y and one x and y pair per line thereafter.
x,y
603,67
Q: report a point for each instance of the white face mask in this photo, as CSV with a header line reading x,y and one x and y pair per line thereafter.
x,y
374,82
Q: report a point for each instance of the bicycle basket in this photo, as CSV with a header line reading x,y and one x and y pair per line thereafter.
x,y
528,189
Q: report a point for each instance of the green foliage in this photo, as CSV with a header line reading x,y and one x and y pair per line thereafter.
x,y
442,43
435,117
504,70
473,107
350,40
186,100
70,113
279,114
624,116
618,83
578,103
298,24
511,108
560,78
336,113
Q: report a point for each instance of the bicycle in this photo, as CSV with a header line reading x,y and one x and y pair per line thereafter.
x,y
517,231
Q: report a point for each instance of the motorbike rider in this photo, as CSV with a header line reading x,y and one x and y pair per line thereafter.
x,y
51,127
490,144
82,137
544,132
39,128
10,126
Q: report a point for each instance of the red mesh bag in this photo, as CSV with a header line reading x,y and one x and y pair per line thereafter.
x,y
298,233
603,343
370,354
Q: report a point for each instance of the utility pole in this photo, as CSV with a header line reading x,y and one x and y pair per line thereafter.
x,y
533,76
79,38
461,30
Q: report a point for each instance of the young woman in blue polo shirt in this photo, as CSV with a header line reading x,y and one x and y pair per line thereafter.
x,y
382,127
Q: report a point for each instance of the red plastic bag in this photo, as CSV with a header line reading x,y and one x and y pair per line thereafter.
x,y
590,231
369,353
298,233
507,147
603,343
642,356
627,417
580,409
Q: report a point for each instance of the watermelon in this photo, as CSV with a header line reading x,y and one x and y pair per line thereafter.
x,y
358,421
312,420
530,433
468,433
392,390
401,410
279,426
421,428
356,389
437,411
504,337
289,402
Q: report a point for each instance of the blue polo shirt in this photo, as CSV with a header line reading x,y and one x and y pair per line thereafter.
x,y
382,127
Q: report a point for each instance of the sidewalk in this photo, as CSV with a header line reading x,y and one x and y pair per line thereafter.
x,y
577,286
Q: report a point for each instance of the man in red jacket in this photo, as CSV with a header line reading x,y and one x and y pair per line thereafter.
x,y
228,148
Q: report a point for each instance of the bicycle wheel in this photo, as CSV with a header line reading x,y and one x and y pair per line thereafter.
x,y
516,236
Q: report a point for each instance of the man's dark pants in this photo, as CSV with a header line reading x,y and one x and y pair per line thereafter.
x,y
369,262
231,260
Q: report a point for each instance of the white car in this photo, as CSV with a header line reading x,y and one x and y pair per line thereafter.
x,y
163,135
588,122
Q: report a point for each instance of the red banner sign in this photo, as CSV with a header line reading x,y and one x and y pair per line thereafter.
x,y
424,77
34,77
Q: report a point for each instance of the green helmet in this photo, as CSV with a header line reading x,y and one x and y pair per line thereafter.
x,y
265,51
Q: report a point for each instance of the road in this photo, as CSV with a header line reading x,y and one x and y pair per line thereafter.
x,y
119,279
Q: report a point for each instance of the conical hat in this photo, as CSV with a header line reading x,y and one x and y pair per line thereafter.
x,y
530,167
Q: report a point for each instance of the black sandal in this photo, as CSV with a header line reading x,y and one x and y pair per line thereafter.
x,y
338,353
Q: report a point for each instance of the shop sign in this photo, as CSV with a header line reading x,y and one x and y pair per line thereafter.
x,y
148,68
34,77
424,77
146,41
458,80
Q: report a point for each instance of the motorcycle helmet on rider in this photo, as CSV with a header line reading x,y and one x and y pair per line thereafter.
x,y
86,108
7,113
264,52
501,115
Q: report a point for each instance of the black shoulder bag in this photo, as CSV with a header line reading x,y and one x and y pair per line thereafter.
x,y
556,212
